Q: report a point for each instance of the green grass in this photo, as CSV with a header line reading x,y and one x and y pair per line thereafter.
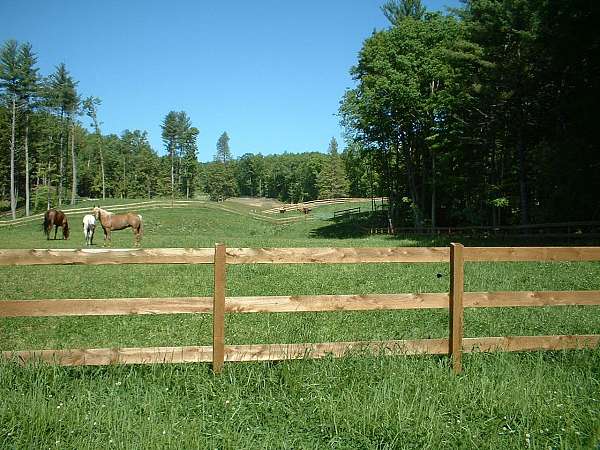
x,y
361,401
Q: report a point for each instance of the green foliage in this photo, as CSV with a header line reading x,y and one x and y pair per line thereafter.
x,y
223,154
458,112
332,181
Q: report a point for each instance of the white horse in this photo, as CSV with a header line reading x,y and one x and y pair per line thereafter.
x,y
89,226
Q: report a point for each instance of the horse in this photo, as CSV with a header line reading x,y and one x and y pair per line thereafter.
x,y
89,226
55,218
113,222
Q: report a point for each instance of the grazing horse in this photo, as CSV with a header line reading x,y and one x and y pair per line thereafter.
x,y
55,218
89,226
113,222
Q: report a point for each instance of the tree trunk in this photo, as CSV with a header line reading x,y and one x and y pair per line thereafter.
x,y
74,164
48,177
433,193
13,199
61,170
524,194
412,183
27,166
172,177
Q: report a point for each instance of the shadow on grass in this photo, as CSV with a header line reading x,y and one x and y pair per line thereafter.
x,y
360,226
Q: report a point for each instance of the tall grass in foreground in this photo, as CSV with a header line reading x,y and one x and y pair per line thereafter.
x,y
502,401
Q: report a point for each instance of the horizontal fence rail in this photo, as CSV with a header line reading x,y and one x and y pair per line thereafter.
x,y
455,301
277,352
293,303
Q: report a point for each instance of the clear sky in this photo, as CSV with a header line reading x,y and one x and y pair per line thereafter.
x,y
269,72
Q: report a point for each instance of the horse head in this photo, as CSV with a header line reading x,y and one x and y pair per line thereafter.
x,y
65,228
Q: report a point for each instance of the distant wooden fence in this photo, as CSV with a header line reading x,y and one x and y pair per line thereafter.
x,y
456,300
576,230
346,212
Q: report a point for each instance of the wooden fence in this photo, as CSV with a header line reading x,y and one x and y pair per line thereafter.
x,y
346,212
455,301
575,230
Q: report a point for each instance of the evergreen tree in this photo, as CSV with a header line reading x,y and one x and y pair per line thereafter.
x,y
332,181
170,134
10,83
223,154
27,96
62,96
90,106
221,182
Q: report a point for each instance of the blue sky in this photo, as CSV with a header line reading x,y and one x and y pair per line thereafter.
x,y
270,73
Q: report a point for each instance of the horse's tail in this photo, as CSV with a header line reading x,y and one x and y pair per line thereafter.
x,y
46,223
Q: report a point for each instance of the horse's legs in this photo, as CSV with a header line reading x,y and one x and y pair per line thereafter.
x,y
55,231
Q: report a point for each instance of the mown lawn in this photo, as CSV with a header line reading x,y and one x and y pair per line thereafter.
x,y
539,400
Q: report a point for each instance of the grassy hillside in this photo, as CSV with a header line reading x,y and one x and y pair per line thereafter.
x,y
502,401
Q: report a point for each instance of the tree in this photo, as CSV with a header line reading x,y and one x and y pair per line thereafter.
x,y
28,92
10,83
332,181
62,96
396,10
401,100
90,106
223,154
170,133
221,183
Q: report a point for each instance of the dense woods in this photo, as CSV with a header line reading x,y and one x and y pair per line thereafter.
x,y
483,116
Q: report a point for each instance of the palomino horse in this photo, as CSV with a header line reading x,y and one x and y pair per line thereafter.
x,y
55,218
113,222
89,226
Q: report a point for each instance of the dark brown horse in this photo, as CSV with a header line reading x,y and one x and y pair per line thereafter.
x,y
113,222
55,218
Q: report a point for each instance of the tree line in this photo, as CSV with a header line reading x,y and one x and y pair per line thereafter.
x,y
49,158
483,116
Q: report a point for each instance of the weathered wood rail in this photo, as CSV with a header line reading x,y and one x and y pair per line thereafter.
x,y
455,301
346,212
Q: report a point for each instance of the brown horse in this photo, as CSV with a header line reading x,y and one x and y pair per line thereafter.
x,y
55,218
114,222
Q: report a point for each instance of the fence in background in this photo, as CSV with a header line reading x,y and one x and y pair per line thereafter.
x,y
218,353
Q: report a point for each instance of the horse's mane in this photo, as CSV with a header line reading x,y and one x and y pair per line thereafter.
x,y
103,211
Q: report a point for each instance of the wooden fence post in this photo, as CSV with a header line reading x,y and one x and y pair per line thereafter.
x,y
218,344
457,278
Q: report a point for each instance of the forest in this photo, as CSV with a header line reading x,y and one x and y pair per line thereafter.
x,y
480,116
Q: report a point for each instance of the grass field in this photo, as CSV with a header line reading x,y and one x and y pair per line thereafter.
x,y
536,400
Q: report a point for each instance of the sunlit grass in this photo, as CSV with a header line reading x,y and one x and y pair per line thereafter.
x,y
536,400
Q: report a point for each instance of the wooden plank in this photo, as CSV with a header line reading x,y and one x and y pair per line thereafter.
x,y
532,254
21,257
293,303
332,255
302,303
105,306
219,309
275,352
530,343
530,298
107,356
456,314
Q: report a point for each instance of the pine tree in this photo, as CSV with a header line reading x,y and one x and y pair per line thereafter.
x,y
62,96
9,82
28,93
223,153
332,181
